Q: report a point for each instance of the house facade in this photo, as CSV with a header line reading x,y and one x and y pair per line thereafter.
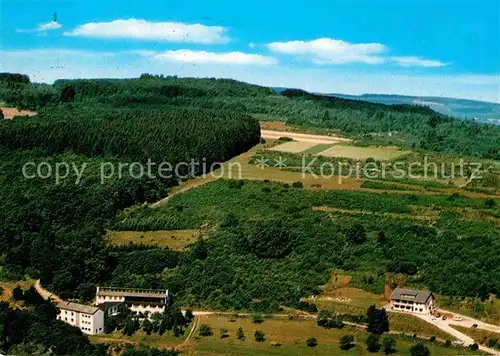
x,y
413,301
141,301
89,319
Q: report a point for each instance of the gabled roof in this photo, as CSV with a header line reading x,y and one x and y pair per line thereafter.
x,y
411,295
80,308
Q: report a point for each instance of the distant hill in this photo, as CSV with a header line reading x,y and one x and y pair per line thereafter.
x,y
460,108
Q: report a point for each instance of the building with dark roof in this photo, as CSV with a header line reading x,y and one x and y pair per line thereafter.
x,y
413,301
141,301
89,319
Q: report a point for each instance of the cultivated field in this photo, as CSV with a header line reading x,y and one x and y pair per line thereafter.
x,y
302,137
377,153
293,147
176,240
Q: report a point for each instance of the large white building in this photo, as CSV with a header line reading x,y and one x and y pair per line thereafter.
x,y
144,301
413,301
89,319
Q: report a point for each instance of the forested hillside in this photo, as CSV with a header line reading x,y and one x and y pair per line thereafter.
x,y
55,230
270,248
418,127
46,226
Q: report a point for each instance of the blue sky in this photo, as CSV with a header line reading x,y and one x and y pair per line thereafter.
x,y
414,47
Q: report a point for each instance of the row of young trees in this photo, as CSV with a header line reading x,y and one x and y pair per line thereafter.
x,y
136,135
172,319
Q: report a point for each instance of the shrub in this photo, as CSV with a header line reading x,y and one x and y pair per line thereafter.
x,y
17,293
223,333
420,350
489,203
298,185
356,234
189,315
474,347
312,342
240,334
373,343
346,342
257,319
259,336
205,330
389,345
492,342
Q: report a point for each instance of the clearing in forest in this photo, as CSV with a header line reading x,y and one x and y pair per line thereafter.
x,y
10,113
176,240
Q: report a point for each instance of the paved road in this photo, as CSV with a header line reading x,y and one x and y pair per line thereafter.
x,y
467,322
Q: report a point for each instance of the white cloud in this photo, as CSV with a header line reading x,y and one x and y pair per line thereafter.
x,y
147,30
238,58
411,61
332,51
48,26
48,65
252,45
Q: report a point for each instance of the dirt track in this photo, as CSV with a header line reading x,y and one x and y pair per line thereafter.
x,y
301,137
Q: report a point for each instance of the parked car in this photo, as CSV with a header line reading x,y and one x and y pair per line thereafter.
x,y
457,318
444,317
474,326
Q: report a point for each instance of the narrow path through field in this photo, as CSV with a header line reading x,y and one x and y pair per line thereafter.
x,y
45,294
191,332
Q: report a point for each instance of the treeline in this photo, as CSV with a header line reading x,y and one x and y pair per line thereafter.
x,y
14,78
417,127
341,103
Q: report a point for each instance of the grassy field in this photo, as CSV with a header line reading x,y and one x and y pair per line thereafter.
x,y
480,336
176,240
154,340
377,153
9,286
288,337
317,149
